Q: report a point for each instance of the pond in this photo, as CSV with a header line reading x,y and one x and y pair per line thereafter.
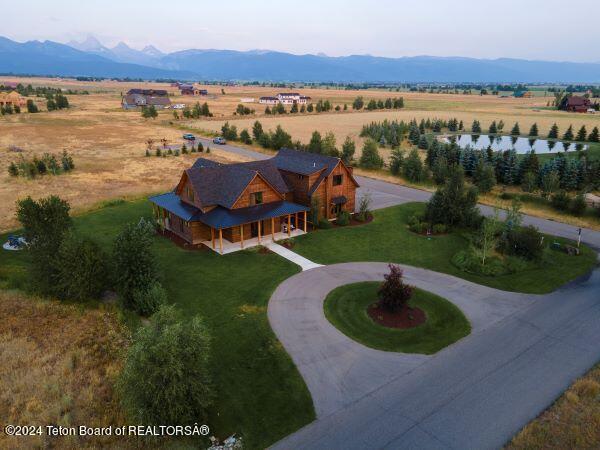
x,y
520,144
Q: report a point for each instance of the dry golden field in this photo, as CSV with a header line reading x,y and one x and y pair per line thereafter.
x,y
572,422
108,144
58,364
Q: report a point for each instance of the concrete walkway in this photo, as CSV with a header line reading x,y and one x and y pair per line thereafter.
x,y
524,351
304,263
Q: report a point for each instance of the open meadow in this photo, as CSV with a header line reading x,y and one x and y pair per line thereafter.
x,y
108,144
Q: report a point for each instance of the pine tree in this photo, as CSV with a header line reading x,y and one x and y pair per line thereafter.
x,y
516,131
553,134
461,126
533,131
493,128
500,126
314,146
568,136
582,134
594,135
348,149
422,142
476,127
268,110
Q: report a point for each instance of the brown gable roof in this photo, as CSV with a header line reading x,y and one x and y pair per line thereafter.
x,y
222,184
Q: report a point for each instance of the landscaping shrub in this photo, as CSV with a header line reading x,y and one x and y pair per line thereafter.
x,y
343,218
393,293
166,378
439,228
82,270
149,299
578,205
525,242
561,201
470,261
364,207
324,224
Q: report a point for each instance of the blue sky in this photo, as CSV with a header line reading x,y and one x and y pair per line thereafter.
x,y
532,29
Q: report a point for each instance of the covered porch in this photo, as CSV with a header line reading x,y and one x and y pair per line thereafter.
x,y
224,246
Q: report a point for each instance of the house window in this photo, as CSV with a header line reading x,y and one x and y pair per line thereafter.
x,y
337,180
190,193
300,177
256,198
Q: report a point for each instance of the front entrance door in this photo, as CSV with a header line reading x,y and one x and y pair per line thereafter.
x,y
254,229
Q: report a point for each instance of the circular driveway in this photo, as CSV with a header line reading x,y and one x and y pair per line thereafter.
x,y
338,370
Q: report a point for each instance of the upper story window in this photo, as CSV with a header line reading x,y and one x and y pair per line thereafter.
x,y
300,177
256,198
338,179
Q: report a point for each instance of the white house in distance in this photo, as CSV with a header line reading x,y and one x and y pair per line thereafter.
x,y
287,98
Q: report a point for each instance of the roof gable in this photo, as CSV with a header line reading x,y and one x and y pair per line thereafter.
x,y
223,184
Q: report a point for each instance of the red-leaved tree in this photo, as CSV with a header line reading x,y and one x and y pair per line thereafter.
x,y
393,293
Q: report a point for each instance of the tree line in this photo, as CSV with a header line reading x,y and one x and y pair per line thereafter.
x,y
171,354
49,163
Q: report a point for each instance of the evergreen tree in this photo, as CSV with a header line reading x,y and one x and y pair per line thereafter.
x,y
310,108
461,126
476,127
413,134
422,142
370,158
413,166
493,128
328,145
348,149
31,106
314,146
533,131
516,131
396,161
568,136
582,134
594,136
257,130
268,110
553,133
484,177
245,137
294,108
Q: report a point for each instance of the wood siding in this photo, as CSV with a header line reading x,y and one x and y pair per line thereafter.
x,y
327,191
300,185
258,184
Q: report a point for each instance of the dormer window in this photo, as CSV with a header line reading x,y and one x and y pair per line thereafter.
x,y
338,180
256,198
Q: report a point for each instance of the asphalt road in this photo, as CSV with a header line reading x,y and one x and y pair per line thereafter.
x,y
476,394
384,194
523,353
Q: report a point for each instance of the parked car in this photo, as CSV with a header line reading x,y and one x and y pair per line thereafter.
x,y
189,137
219,141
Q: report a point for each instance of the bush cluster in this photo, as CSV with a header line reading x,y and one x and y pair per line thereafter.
x,y
49,163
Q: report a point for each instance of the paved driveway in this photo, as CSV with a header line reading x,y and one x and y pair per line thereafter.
x,y
524,352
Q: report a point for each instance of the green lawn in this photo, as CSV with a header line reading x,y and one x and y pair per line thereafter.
x,y
387,239
346,308
260,394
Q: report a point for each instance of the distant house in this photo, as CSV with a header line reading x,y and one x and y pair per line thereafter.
x,y
9,84
286,98
231,206
523,94
189,89
12,98
575,103
138,98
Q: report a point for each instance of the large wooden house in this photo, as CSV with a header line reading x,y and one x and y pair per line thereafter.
x,y
220,204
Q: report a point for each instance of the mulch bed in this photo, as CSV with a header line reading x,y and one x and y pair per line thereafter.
x,y
407,318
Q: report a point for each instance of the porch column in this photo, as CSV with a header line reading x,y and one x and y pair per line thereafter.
x,y
273,228
305,221
289,225
259,223
212,237
242,235
296,221
221,240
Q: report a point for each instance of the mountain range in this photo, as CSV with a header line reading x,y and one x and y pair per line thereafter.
x,y
91,58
